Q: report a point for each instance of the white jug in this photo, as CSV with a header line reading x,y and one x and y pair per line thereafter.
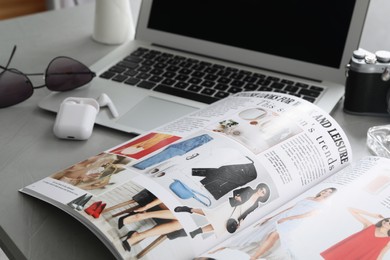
x,y
113,21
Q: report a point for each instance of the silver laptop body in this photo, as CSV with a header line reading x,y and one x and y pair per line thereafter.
x,y
309,42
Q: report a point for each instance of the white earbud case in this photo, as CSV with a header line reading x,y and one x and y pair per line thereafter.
x,y
76,118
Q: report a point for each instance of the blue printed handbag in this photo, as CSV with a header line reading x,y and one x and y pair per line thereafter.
x,y
185,192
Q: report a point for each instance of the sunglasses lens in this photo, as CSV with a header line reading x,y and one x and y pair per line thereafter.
x,y
14,88
65,74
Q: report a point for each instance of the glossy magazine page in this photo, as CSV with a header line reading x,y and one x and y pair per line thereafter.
x,y
344,217
189,185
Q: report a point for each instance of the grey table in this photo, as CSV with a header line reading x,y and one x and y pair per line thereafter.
x,y
31,229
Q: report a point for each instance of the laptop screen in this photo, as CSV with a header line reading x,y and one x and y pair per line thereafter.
x,y
306,30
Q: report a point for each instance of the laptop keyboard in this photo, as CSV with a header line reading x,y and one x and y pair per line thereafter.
x,y
198,80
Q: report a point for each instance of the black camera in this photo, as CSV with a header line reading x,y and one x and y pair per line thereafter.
x,y
368,83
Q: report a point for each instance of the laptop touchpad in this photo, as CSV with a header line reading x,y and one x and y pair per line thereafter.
x,y
153,112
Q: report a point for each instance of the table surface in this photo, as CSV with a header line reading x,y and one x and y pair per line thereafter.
x,y
32,229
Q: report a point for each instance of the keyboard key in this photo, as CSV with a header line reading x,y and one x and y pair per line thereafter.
x,y
143,75
277,85
186,94
144,68
288,82
317,88
224,80
251,87
236,76
211,70
146,84
128,64
156,71
220,67
291,88
149,63
264,82
235,90
194,88
221,94
245,72
160,65
208,91
224,73
308,92
272,78
168,82
198,67
258,75
169,74
264,88
133,59
130,73
301,85
132,81
119,78
310,99
156,79
221,87
198,74
250,79
182,77
117,69
185,71
210,77
138,53
172,68
181,85
237,83
194,81
107,75
207,84
186,64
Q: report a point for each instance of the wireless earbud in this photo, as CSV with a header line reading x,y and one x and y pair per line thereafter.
x,y
105,100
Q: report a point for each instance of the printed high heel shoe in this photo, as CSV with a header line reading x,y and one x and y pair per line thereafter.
x,y
91,209
83,202
121,219
99,210
128,235
126,244
74,203
183,209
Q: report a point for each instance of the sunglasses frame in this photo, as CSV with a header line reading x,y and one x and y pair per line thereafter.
x,y
45,75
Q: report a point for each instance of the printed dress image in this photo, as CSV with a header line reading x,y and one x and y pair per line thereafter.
x,y
371,243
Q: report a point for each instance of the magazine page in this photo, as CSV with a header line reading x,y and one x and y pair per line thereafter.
x,y
347,216
191,184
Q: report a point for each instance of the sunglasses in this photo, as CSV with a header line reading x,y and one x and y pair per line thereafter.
x,y
62,74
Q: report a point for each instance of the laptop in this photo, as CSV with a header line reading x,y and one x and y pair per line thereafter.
x,y
188,54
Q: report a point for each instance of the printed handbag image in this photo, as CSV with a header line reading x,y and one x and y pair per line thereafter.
x,y
185,192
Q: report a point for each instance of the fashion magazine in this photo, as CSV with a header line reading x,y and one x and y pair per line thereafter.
x,y
257,175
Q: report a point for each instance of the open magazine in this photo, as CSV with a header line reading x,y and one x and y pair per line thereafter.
x,y
255,176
